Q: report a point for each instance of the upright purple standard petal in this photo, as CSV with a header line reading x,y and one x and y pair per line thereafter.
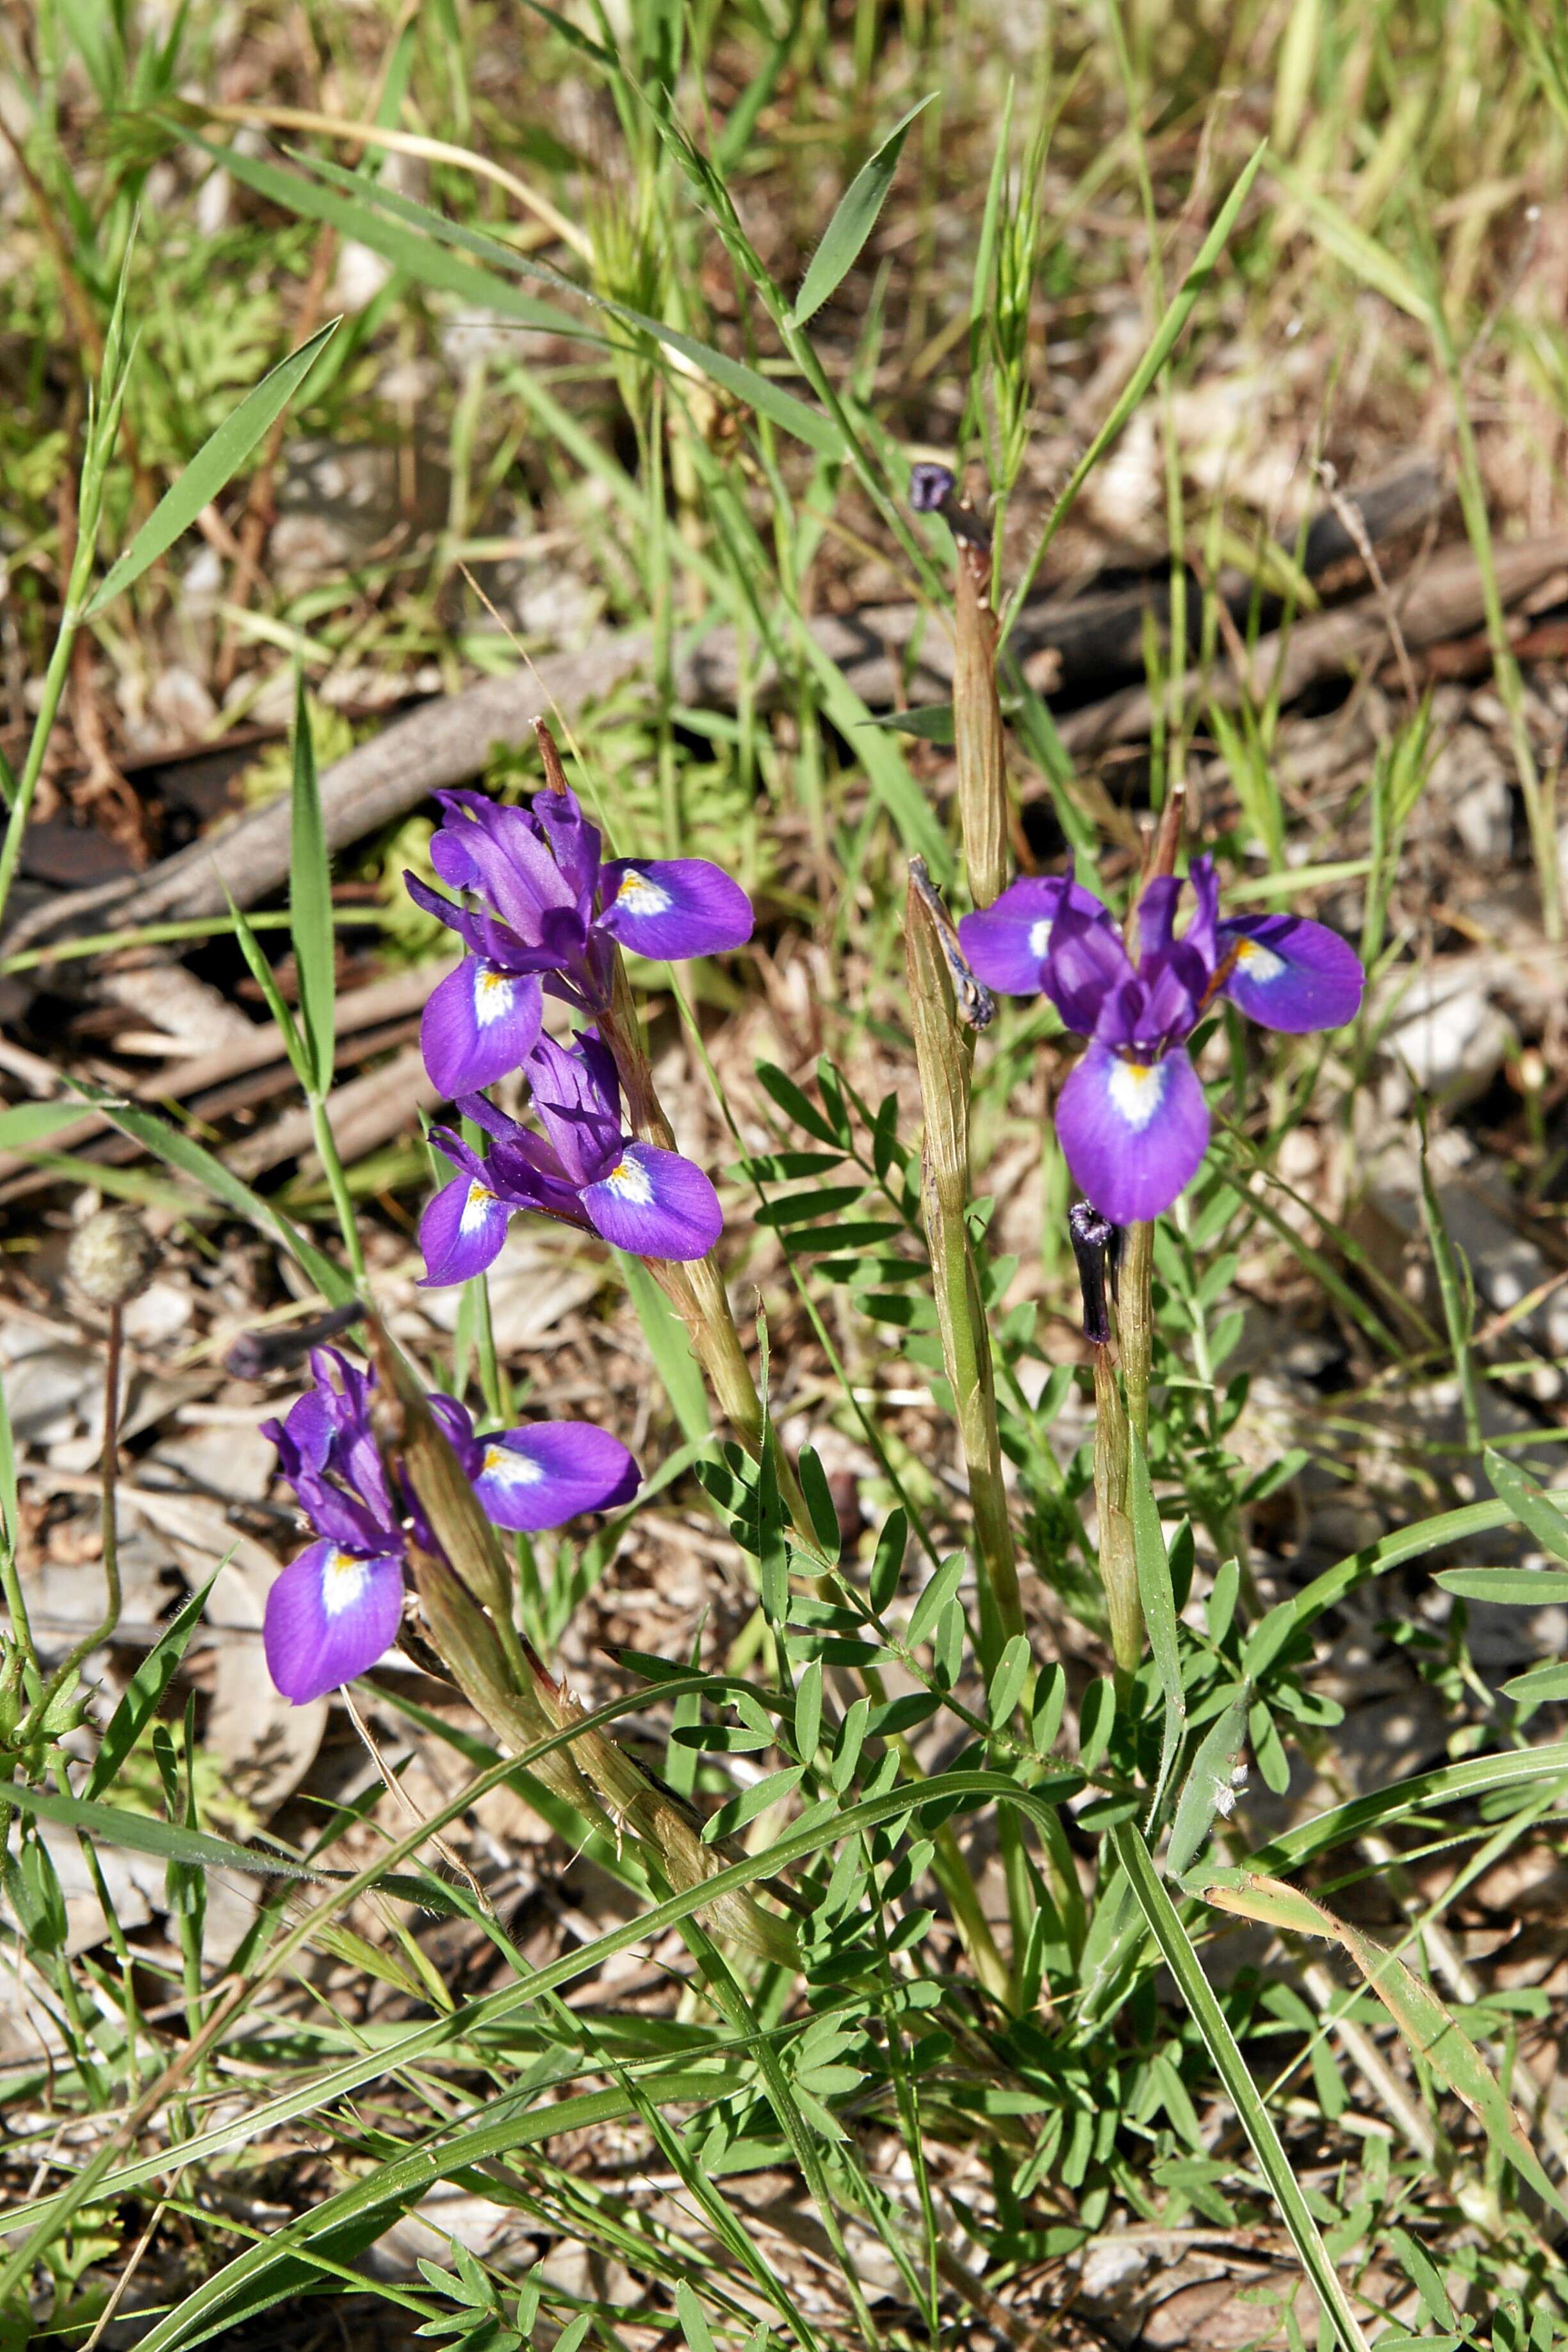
x,y
479,1024
1290,973
674,907
655,1204
549,1472
461,1231
330,1614
1006,943
1086,963
1134,1133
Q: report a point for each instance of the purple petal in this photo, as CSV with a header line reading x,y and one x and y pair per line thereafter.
x,y
461,1232
1005,943
499,853
549,1472
330,1614
479,1024
656,1204
674,907
1085,963
574,840
578,1099
1290,973
1134,1133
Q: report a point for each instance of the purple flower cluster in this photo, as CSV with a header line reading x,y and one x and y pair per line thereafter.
x,y
1131,1119
542,911
584,1169
336,1609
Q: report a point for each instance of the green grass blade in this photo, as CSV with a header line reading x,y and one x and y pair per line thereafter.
x,y
853,221
1176,1946
1445,1784
1288,1618
421,255
310,900
214,464
1155,1591
24,1124
177,1151
1207,1787
1528,1502
669,1345
139,1702
1166,337
142,1834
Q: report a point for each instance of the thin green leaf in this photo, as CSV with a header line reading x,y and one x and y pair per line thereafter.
x,y
1529,1504
1158,1596
933,1600
1176,1946
177,1151
1209,1788
140,1700
141,1833
1514,1588
669,1345
1288,1618
310,900
853,221
24,1124
1541,1686
1166,336
422,257
214,464
750,1802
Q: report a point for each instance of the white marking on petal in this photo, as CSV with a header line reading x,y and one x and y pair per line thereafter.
x,y
512,1468
343,1579
474,1207
638,896
1040,937
1258,961
630,1182
493,995
1136,1090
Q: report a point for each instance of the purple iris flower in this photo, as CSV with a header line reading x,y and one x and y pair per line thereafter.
x,y
584,1169
1131,1119
543,909
336,1609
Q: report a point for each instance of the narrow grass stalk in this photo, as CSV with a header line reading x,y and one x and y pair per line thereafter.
x,y
943,1063
943,1056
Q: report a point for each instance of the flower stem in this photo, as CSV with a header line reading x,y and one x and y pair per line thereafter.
x,y
696,1290
1135,1326
942,1055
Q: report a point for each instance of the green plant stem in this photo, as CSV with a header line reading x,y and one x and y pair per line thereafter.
x,y
1135,1326
1118,1559
338,1185
108,1480
944,1054
55,678
697,1291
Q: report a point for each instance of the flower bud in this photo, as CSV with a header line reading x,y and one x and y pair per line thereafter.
x,y
931,486
111,1256
1094,1239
